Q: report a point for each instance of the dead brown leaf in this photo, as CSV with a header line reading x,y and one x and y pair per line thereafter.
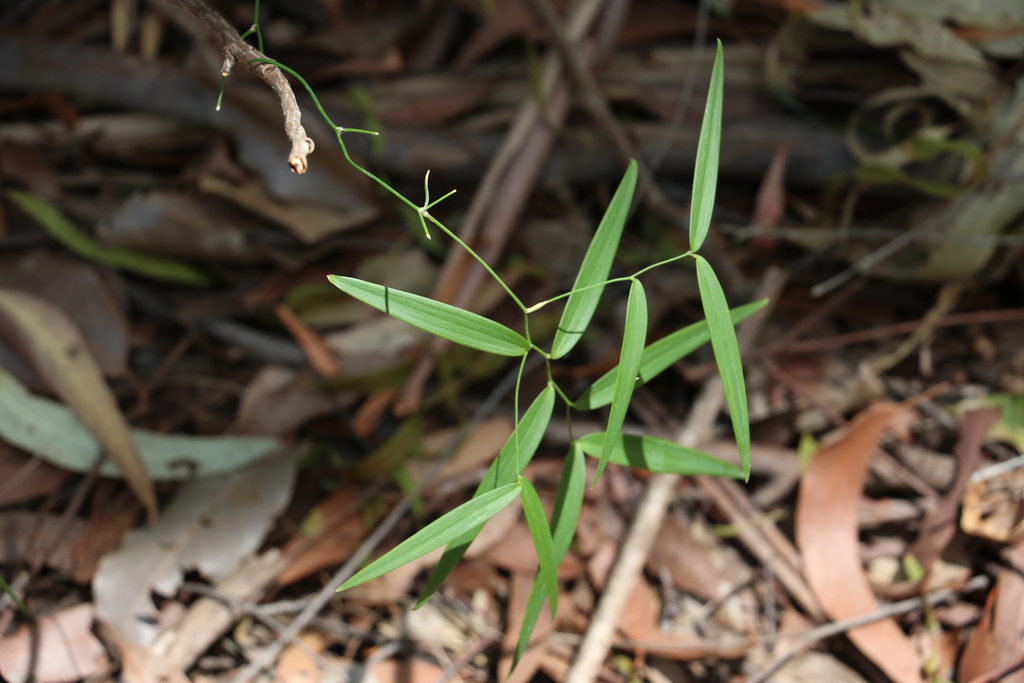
x,y
940,523
405,671
997,639
993,507
296,664
24,478
643,609
826,533
85,292
278,400
64,649
770,204
319,355
53,344
688,562
33,537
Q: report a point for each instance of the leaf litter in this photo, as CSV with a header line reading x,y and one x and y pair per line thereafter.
x,y
211,382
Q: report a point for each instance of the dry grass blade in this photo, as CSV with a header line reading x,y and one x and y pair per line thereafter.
x,y
56,349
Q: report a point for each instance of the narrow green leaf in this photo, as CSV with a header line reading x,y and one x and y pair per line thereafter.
x,y
568,503
657,455
444,320
537,522
633,337
705,171
67,233
502,471
437,533
580,306
660,355
727,356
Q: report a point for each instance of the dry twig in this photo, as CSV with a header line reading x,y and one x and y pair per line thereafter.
x,y
237,50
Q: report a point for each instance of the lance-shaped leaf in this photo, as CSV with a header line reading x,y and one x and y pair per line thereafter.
x,y
727,356
564,517
437,533
705,171
660,355
444,320
633,338
537,522
67,233
657,455
53,345
595,268
504,470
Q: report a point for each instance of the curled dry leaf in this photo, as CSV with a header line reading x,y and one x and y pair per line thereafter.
x,y
826,533
86,292
63,650
939,523
997,639
58,352
993,507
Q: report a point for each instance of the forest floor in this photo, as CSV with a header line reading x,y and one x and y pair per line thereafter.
x,y
201,437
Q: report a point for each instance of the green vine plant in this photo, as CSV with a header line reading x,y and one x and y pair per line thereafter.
x,y
639,363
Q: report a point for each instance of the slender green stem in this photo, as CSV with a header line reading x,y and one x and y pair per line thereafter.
x,y
542,304
542,352
22,607
434,203
256,27
479,260
662,263
515,408
421,211
626,278
568,402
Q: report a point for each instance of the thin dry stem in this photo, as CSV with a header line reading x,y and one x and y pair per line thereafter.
x,y
237,50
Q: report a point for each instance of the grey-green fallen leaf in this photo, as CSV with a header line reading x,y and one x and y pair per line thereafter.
x,y
55,348
51,431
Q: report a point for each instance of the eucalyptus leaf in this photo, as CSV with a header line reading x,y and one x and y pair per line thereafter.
x,y
537,522
54,433
597,263
444,320
705,171
564,518
657,455
660,355
503,471
727,356
633,337
437,533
